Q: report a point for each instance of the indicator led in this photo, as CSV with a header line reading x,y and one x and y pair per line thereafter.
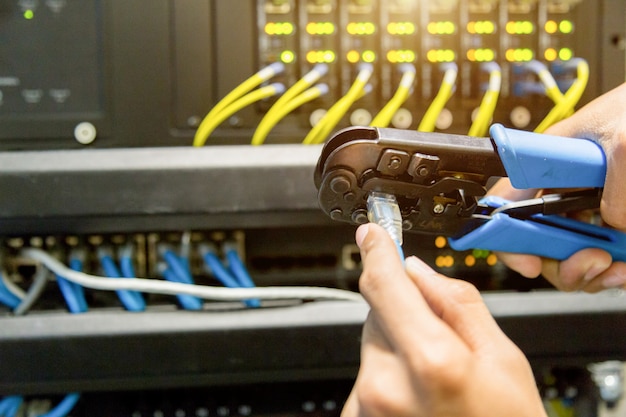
x,y
320,57
566,26
401,28
320,28
519,55
550,54
353,56
481,27
287,56
279,28
29,14
361,28
440,55
551,27
565,54
481,55
368,56
441,28
520,27
400,56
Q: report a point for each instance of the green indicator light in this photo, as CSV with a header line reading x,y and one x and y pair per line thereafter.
x,y
29,14
368,56
565,54
287,57
566,26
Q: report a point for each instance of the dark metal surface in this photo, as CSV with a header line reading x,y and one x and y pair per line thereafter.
x,y
111,349
146,188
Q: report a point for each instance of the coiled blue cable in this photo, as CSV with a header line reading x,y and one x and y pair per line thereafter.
x,y
178,271
132,300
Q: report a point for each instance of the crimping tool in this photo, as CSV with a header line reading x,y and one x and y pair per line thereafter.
x,y
440,181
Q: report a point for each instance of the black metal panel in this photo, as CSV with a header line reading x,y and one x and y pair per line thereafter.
x,y
141,188
112,350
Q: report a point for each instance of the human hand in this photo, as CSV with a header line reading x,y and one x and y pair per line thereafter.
x,y
430,347
604,121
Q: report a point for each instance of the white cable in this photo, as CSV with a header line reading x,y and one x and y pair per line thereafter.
x,y
174,288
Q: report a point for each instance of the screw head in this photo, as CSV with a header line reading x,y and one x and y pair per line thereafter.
x,y
439,208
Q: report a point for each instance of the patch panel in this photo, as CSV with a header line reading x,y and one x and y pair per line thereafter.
x,y
427,35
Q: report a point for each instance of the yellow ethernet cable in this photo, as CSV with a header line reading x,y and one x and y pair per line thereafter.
x,y
548,81
384,116
234,107
260,77
443,95
480,126
570,98
270,119
322,129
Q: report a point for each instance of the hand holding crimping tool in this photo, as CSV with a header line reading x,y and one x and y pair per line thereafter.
x,y
439,181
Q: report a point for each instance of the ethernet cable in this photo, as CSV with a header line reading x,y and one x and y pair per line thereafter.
x,y
205,129
481,122
439,102
173,288
10,405
8,297
220,272
73,294
40,280
570,98
240,272
384,116
383,209
546,78
132,301
277,112
257,79
64,407
177,271
271,119
322,129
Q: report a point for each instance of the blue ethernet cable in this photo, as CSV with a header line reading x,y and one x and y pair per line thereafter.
x,y
7,297
188,302
132,300
73,293
178,271
64,407
10,405
215,265
240,272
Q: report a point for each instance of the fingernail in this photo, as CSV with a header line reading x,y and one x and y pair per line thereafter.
x,y
614,281
417,266
361,234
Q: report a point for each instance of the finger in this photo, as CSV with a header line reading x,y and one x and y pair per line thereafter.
x,y
503,188
612,207
458,303
575,273
613,277
351,407
401,311
528,266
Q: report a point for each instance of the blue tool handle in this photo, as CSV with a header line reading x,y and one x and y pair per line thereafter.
x,y
550,236
534,160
